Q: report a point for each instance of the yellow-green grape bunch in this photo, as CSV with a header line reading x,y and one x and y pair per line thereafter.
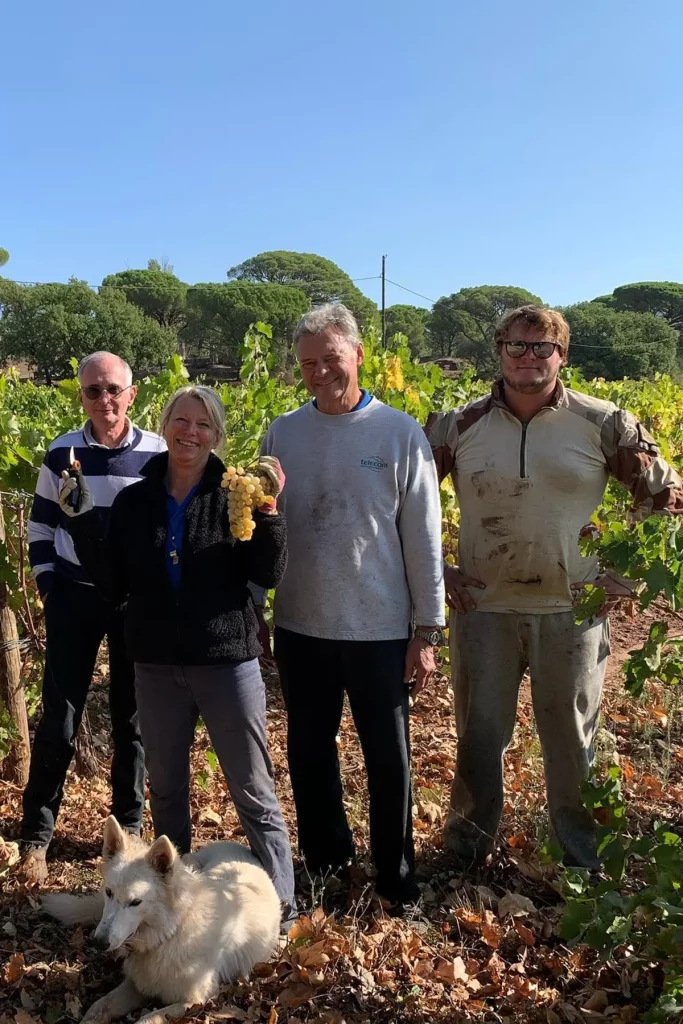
x,y
246,492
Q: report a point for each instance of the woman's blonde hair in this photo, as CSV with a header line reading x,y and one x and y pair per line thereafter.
x,y
215,409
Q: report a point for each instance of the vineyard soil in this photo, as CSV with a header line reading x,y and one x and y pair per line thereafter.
x,y
464,954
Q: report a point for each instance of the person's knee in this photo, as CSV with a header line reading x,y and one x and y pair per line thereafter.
x,y
58,726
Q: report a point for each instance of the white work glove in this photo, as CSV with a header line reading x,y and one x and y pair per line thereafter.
x,y
270,467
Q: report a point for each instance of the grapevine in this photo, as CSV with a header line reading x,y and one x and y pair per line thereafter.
x,y
640,901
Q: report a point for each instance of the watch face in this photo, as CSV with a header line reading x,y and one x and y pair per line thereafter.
x,y
434,637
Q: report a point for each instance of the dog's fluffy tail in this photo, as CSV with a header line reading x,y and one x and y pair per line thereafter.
x,y
70,909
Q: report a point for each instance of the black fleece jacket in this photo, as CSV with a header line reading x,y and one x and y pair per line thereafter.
x,y
211,619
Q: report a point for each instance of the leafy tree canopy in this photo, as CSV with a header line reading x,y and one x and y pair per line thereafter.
x,y
320,279
158,293
218,315
411,321
663,299
606,342
47,324
463,325
4,256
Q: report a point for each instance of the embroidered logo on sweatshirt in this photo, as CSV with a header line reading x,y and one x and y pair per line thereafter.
x,y
374,463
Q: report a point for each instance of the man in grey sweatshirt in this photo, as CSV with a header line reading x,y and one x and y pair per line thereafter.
x,y
361,606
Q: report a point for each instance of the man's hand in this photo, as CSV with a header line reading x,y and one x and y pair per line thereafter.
x,y
420,665
264,637
75,498
616,591
270,467
456,583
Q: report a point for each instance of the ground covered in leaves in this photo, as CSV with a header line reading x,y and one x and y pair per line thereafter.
x,y
483,946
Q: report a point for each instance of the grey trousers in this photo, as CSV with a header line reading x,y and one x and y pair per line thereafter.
x,y
231,699
490,653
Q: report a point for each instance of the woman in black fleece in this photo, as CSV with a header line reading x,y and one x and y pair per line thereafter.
x,y
168,556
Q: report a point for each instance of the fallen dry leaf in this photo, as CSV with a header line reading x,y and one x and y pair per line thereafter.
x,y
295,995
301,929
313,956
272,1016
487,896
450,971
318,917
15,968
9,855
229,1013
27,1000
22,1017
208,814
526,934
598,1001
491,932
515,905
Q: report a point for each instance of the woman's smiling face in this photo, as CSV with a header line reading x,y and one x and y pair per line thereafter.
x,y
189,434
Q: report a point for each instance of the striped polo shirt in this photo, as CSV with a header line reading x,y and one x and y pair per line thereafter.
x,y
107,471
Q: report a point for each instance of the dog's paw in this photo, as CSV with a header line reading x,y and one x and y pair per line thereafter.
x,y
99,1013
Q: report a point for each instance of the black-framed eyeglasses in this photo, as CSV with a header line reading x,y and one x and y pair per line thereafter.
x,y
541,349
94,391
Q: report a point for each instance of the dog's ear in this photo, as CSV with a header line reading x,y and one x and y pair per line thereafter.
x,y
114,838
162,855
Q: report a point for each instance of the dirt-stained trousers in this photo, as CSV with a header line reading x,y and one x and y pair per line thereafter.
x,y
490,652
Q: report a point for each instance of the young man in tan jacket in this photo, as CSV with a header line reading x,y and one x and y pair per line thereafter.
x,y
530,463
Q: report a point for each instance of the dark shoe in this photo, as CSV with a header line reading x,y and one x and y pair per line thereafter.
x,y
32,868
404,894
467,845
312,878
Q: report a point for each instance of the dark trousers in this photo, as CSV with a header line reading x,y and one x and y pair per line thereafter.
x,y
77,619
314,674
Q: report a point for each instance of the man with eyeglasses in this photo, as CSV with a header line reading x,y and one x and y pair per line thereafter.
x,y
530,463
112,454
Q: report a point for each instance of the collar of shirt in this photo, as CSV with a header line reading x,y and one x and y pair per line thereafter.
x,y
365,399
92,443
558,399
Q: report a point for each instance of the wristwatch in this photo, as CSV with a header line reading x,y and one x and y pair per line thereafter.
x,y
434,635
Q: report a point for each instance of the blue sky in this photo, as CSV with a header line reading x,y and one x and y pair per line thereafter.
x,y
525,143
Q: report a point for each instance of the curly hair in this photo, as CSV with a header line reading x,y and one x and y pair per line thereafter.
x,y
548,322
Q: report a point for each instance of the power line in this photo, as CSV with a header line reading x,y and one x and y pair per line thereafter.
x,y
419,294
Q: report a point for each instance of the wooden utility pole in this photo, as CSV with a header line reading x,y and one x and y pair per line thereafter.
x,y
384,308
16,764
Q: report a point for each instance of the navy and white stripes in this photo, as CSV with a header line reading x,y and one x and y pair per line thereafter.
x,y
107,471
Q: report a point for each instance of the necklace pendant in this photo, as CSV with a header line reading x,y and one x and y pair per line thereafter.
x,y
174,556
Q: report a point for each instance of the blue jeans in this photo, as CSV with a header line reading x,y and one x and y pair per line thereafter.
x,y
76,620
231,699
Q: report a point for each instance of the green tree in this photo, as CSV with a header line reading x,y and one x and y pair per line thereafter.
x,y
218,315
163,265
606,342
320,279
663,299
462,325
47,324
157,292
4,256
411,321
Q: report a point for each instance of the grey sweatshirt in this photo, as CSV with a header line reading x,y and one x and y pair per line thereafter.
x,y
363,524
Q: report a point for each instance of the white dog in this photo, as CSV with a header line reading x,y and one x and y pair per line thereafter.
x,y
185,925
